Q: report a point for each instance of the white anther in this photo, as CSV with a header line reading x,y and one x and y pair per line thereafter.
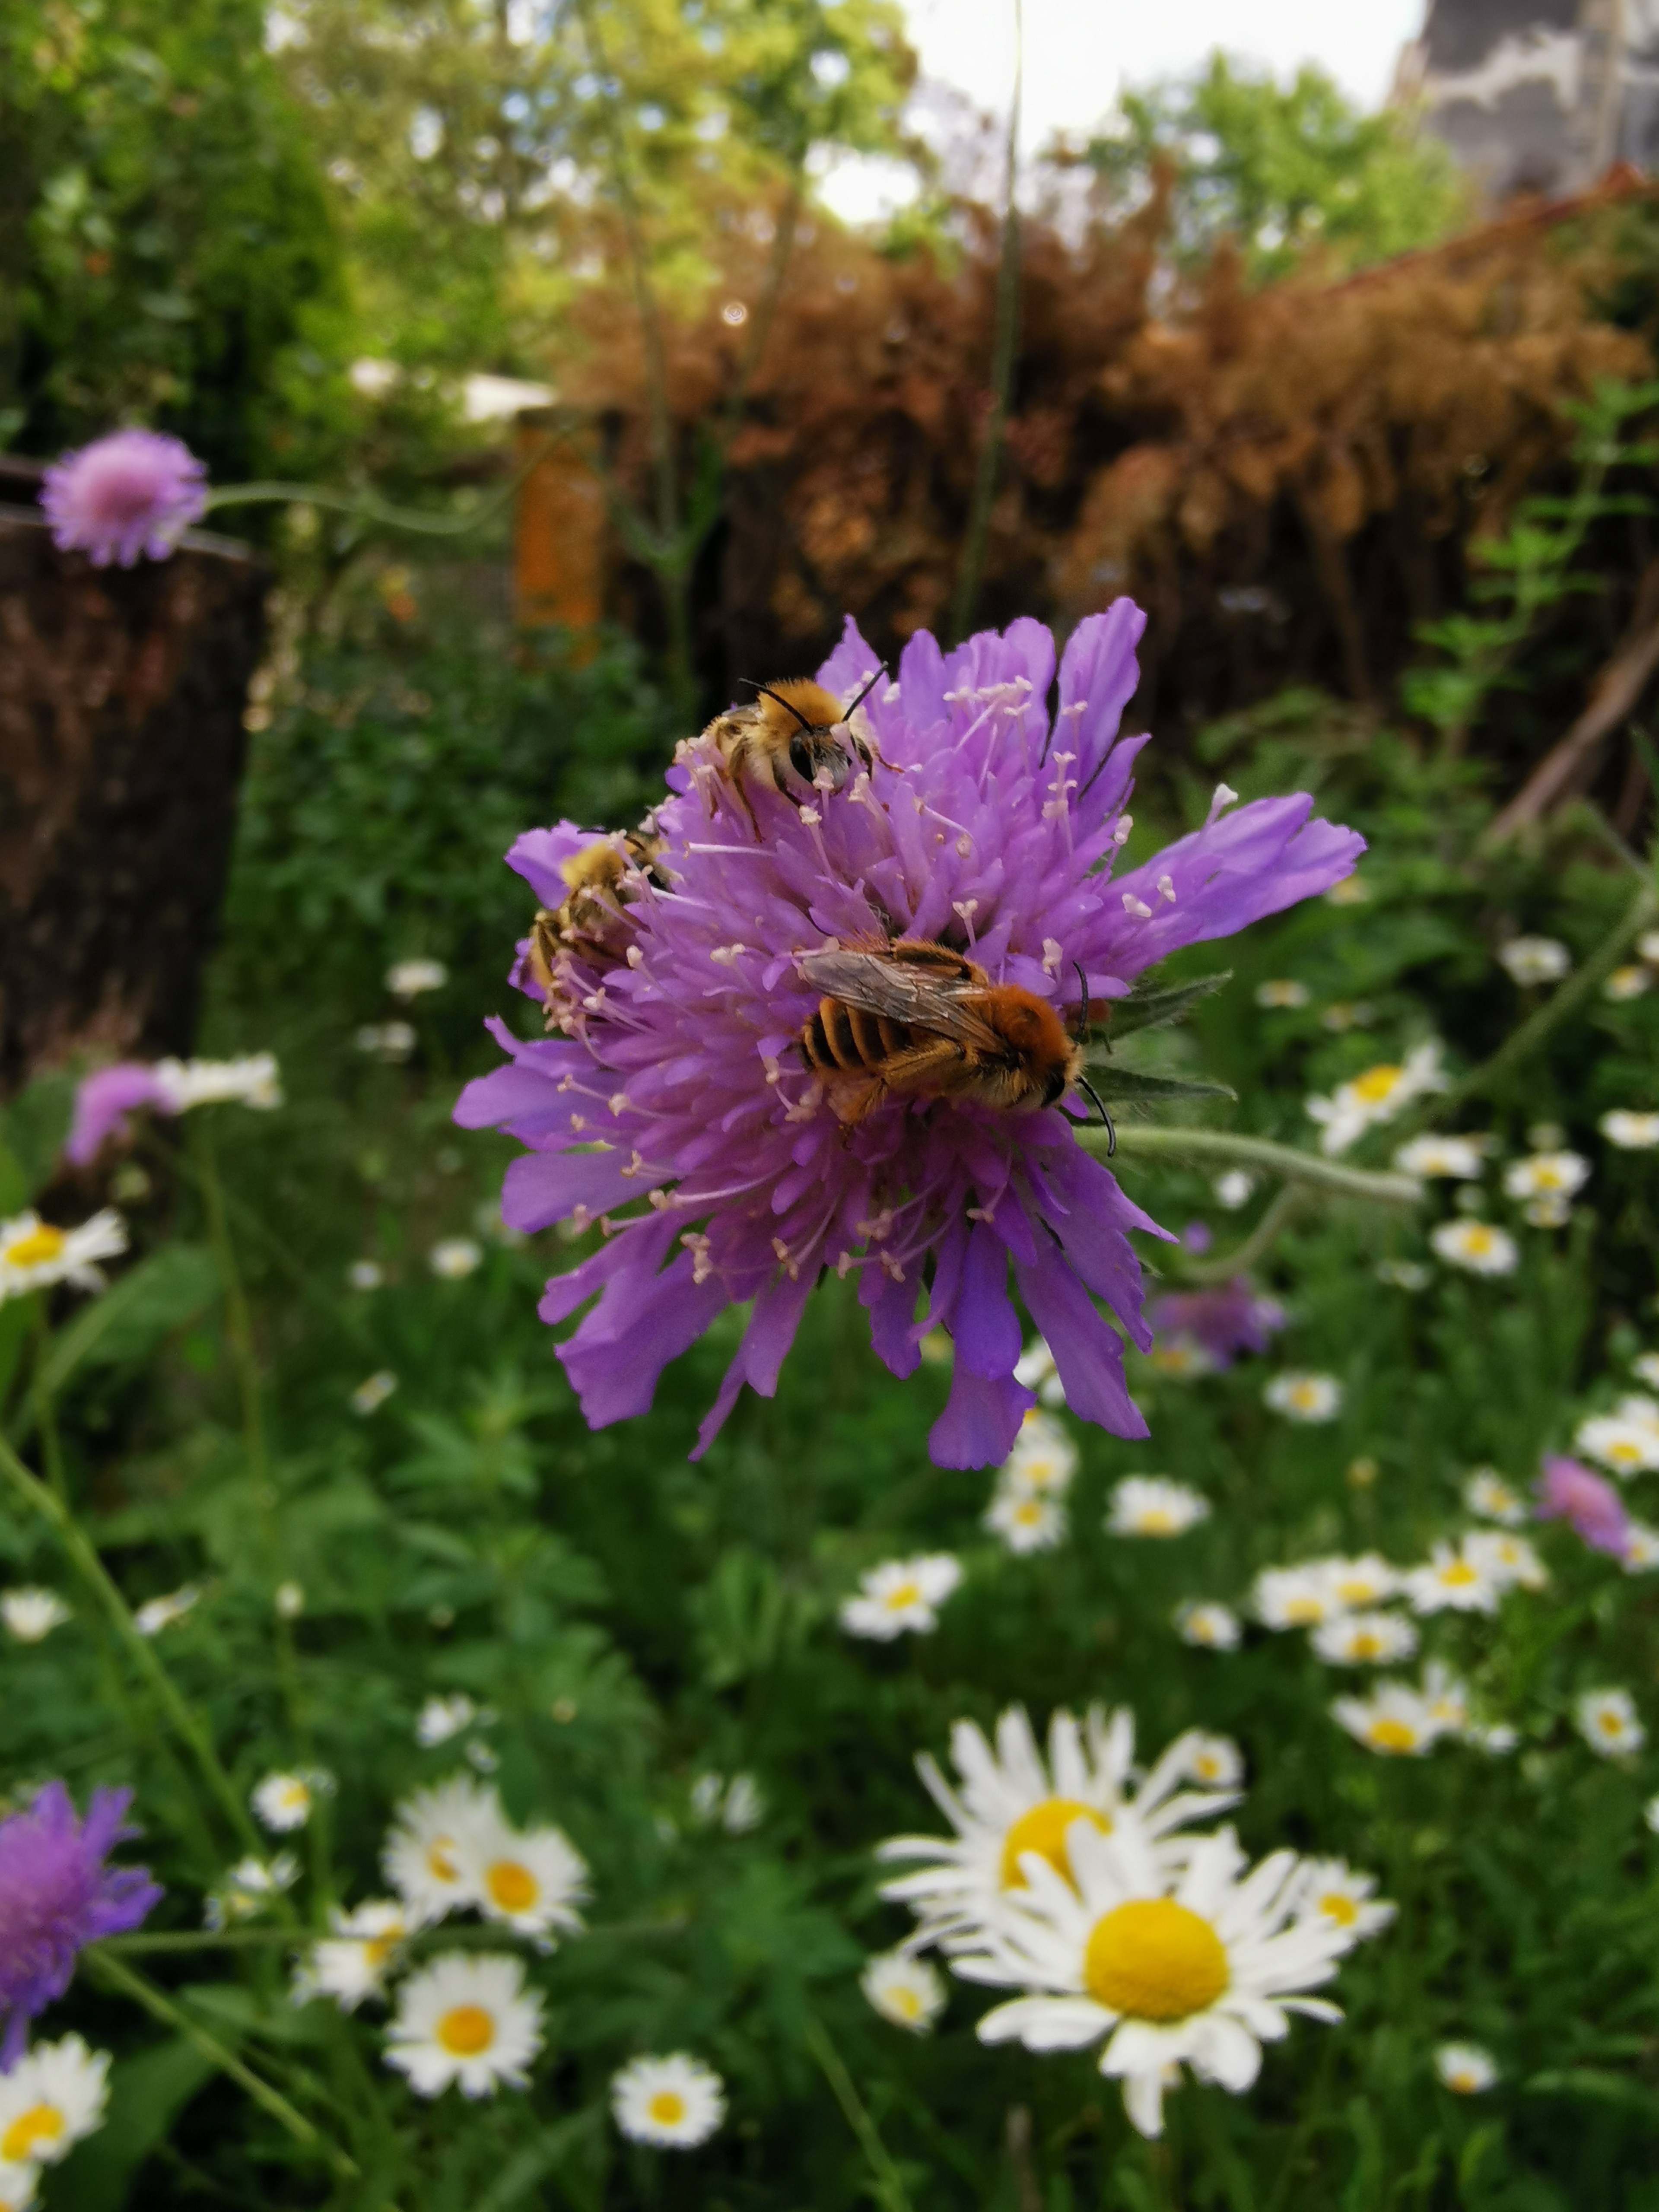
x,y
1052,956
1166,888
1134,906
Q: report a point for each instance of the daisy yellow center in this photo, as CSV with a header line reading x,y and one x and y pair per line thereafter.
x,y
1157,1520
439,1860
512,1886
1376,1085
1478,1238
1304,1396
1366,1644
902,1594
1342,1910
1462,2081
1356,1593
36,1247
30,2133
1154,1959
1548,1179
667,2108
905,2002
1610,1723
1039,1472
1042,1829
377,1950
1207,1767
1300,1612
1387,1735
465,2030
1621,1452
292,1794
1458,1574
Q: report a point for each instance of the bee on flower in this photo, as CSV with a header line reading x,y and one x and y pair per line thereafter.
x,y
1301,1397
901,1596
1208,1626
904,1989
1475,1247
1377,1095
1607,1720
1153,1505
1337,1896
1195,1970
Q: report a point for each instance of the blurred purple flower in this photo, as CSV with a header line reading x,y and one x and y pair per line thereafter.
x,y
681,1086
57,1894
135,492
1592,1507
104,1099
1222,1322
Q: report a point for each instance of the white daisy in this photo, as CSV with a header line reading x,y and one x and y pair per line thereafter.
x,y
1462,1158
672,2103
409,979
1631,1132
365,1275
1465,2067
1510,1560
1294,1597
467,2018
1180,1360
1233,1189
373,1392
744,1807
249,1888
1198,1969
1546,1175
52,2099
392,1042
1627,982
1485,1492
1476,1247
1627,1446
454,1258
1607,1722
1496,1738
1035,1369
353,1963
284,1802
532,1880
1651,1814
33,1256
1404,1274
289,1601
1535,960
1344,1014
1338,1896
1012,1803
1395,1720
1026,1523
1446,1697
908,1991
1375,1096
1215,1761
1456,1579
1641,1548
901,1595
1284,992
1365,1639
19,2187
253,1081
1153,1505
1359,1583
440,1718
159,1613
1645,1368
1209,1627
422,1855
1043,1459
1301,1397
30,1614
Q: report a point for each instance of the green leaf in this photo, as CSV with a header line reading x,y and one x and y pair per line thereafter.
x,y
1160,1010
1129,1083
31,1133
1599,2086
146,2094
125,1325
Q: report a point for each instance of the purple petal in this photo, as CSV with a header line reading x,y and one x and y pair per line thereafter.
x,y
770,1333
981,1420
102,1101
985,1328
1088,1355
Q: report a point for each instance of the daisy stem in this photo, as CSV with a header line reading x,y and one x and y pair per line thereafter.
x,y
194,1939
52,1449
162,2007
889,2190
84,1555
1205,1146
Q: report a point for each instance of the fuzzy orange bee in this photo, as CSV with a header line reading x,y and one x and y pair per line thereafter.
x,y
794,737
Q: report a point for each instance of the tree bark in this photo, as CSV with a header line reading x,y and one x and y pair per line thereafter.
x,y
122,693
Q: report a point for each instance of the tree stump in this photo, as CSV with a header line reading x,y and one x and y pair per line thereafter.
x,y
122,693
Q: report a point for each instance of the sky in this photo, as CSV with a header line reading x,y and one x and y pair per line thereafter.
x,y
1080,52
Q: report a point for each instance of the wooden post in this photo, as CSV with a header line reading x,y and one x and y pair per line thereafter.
x,y
122,693
560,535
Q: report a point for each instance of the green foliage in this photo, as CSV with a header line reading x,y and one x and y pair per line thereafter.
x,y
164,224
1286,171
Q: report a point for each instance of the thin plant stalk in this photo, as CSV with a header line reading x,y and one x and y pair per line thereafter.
x,y
1220,1148
888,2183
1004,340
83,1556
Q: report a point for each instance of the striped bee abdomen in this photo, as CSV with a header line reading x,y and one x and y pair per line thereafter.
x,y
843,1040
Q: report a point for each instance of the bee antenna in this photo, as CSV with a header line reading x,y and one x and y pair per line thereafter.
x,y
1083,1012
847,711
766,690
1083,1084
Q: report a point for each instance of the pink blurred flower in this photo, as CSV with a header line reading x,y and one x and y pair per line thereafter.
x,y
1222,1322
104,1100
135,492
1591,1507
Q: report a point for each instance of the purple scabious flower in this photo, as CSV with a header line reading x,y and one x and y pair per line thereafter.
x,y
56,1895
680,1092
133,493
1222,1322
1592,1507
104,1099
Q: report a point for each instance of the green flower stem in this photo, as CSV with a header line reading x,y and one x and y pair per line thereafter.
x,y
1522,1042
1287,1203
116,1976
52,1449
374,510
889,2183
193,1939
84,1555
1220,1148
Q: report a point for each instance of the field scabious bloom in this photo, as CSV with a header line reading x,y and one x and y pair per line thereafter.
x,y
58,1893
1199,1968
104,1099
990,830
135,492
1221,1322
1012,1801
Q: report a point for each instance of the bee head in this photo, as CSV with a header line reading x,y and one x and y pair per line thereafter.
x,y
820,740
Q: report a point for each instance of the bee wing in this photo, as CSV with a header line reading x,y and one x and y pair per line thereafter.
x,y
903,993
